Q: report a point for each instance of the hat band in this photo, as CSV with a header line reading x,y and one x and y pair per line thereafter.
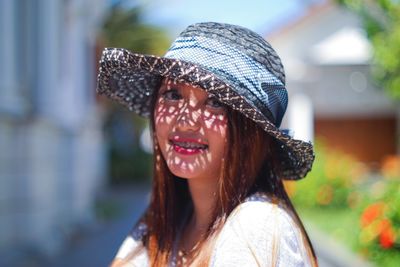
x,y
246,76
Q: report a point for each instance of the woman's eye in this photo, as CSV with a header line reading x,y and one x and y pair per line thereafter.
x,y
214,103
172,94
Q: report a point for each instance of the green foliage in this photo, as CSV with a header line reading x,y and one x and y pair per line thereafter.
x,y
107,210
128,162
123,28
134,166
385,258
381,19
340,229
380,216
329,184
365,205
343,228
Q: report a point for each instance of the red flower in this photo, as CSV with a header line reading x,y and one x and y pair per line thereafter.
x,y
387,236
371,213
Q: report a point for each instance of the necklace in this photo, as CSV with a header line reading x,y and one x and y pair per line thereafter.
x,y
185,257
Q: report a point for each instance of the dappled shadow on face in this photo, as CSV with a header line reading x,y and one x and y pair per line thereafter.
x,y
183,113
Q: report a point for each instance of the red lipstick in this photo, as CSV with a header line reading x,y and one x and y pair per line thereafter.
x,y
188,145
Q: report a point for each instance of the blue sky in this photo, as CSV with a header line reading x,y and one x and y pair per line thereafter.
x,y
261,16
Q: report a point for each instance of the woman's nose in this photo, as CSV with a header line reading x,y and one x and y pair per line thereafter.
x,y
188,118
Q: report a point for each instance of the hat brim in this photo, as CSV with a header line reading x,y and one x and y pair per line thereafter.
x,y
132,79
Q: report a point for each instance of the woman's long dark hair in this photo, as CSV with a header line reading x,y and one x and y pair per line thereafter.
x,y
248,167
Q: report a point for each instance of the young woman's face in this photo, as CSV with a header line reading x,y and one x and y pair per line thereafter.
x,y
191,130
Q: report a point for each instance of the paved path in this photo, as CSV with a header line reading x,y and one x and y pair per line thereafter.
x,y
332,254
99,247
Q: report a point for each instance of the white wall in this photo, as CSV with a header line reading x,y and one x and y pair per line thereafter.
x,y
52,157
335,87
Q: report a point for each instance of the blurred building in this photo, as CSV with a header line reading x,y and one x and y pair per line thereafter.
x,y
332,95
51,146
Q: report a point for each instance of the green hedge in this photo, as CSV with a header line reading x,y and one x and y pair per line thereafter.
x,y
339,184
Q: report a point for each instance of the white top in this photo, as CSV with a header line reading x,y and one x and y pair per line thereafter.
x,y
257,233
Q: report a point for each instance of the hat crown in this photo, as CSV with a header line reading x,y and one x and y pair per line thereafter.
x,y
239,57
244,40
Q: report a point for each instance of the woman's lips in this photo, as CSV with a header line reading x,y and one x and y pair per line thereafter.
x,y
188,146
187,151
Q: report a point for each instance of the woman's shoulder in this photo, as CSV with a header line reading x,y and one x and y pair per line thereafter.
x,y
258,232
260,207
132,247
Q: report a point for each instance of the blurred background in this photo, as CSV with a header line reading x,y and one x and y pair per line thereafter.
x,y
75,168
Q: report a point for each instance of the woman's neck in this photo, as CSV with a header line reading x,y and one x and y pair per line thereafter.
x,y
203,195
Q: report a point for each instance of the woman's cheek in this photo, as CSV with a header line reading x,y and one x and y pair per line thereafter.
x,y
215,122
165,113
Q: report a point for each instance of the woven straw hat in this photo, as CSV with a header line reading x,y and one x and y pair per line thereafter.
x,y
230,62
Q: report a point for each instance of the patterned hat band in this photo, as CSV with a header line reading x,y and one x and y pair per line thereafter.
x,y
246,76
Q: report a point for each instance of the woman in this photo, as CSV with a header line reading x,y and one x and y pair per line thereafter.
x,y
215,101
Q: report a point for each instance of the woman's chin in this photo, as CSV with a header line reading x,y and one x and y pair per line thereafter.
x,y
186,171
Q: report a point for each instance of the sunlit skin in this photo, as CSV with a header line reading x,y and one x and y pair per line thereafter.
x,y
189,114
